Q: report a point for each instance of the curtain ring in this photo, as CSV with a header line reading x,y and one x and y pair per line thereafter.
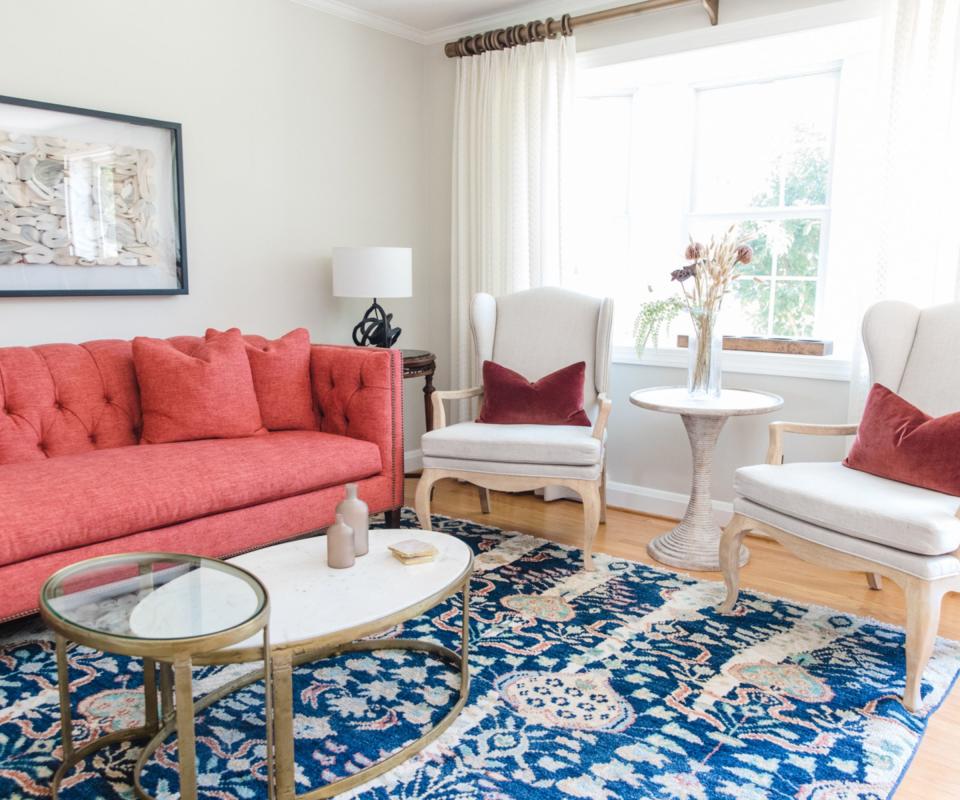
x,y
566,25
551,34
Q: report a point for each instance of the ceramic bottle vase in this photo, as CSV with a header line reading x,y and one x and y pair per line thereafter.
x,y
340,546
357,516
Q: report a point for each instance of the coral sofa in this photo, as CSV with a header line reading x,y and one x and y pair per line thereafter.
x,y
75,482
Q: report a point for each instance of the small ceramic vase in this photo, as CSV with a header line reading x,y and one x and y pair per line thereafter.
x,y
340,546
357,516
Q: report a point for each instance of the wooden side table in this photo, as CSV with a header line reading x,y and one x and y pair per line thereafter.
x,y
422,363
694,543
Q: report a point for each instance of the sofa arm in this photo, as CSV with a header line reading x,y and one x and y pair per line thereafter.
x,y
359,393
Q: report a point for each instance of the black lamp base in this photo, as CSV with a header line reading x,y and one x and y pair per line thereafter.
x,y
374,329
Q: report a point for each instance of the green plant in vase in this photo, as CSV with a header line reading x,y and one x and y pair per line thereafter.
x,y
655,316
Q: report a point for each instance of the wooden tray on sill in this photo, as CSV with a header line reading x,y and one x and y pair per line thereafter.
x,y
772,344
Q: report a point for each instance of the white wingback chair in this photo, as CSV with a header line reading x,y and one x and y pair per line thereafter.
x,y
534,333
838,517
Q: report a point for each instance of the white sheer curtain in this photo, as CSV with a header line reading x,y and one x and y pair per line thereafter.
x,y
510,136
915,245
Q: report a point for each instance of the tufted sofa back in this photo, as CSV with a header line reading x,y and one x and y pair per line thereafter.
x,y
64,399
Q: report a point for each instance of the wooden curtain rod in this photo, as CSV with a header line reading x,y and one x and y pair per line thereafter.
x,y
538,30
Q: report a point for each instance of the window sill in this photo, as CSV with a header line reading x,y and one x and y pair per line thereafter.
x,y
824,368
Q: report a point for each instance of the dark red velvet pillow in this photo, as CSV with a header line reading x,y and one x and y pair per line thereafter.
x,y
204,394
281,378
897,440
555,399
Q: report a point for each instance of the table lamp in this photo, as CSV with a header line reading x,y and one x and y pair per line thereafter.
x,y
373,272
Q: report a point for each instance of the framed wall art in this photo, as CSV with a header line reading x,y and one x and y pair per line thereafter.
x,y
91,203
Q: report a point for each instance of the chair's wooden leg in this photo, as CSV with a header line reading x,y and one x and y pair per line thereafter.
x,y
603,495
484,499
423,497
590,494
875,581
391,517
923,619
730,542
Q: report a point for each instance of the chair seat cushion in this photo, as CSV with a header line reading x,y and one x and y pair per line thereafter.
x,y
524,444
70,501
857,504
927,567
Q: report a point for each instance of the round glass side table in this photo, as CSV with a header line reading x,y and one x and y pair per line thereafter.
x,y
164,608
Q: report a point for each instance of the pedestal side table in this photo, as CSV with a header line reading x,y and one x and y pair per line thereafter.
x,y
417,364
694,543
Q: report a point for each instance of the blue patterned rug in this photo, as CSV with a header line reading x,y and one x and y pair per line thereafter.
x,y
623,683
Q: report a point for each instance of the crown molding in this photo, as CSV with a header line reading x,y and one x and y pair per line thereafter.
x,y
352,14
538,9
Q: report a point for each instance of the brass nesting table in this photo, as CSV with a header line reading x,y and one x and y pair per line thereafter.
x,y
171,609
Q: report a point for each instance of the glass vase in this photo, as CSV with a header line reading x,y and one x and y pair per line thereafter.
x,y
706,347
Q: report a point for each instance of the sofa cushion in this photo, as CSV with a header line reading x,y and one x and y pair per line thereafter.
x,y
75,500
524,444
855,503
281,379
897,440
206,393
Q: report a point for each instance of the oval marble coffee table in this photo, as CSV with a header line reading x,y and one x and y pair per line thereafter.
x,y
694,543
319,612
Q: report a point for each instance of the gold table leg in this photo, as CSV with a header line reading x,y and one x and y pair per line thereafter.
x,y
186,737
63,684
283,725
151,718
166,690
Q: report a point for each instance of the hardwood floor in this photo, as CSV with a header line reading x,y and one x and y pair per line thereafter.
x,y
932,775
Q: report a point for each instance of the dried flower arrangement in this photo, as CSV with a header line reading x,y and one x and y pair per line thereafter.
x,y
703,284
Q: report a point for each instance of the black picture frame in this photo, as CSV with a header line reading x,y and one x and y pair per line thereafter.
x,y
178,211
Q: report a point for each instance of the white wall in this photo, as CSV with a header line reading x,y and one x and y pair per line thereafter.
x,y
649,457
301,132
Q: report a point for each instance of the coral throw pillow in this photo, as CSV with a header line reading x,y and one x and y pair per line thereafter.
x,y
281,378
896,440
555,399
206,393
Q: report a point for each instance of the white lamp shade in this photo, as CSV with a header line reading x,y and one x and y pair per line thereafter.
x,y
372,272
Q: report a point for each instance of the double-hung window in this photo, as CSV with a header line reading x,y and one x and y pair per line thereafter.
x,y
748,134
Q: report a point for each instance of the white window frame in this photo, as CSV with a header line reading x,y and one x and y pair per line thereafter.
x,y
849,30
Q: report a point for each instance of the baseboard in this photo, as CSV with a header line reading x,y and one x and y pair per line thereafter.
x,y
658,502
631,497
